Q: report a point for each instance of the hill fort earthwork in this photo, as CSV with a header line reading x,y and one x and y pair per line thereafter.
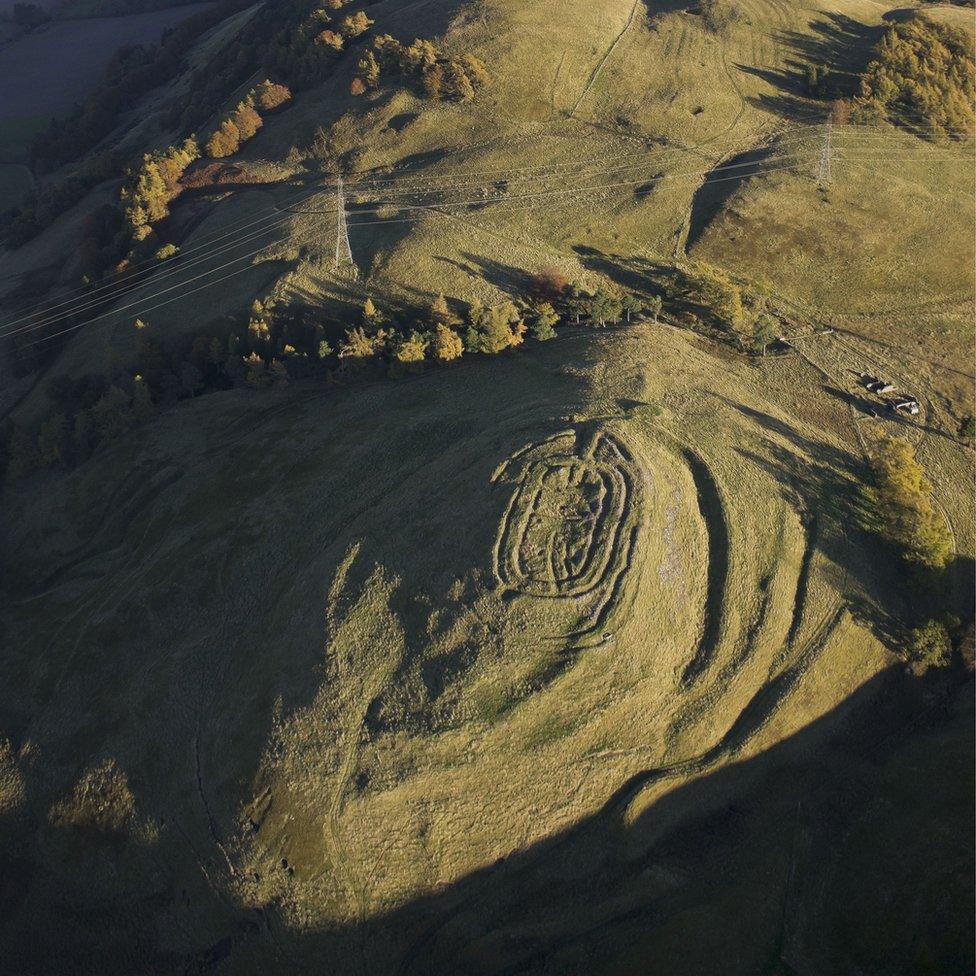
x,y
487,487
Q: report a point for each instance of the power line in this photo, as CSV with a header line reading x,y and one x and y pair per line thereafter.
x,y
142,309
398,184
377,207
758,169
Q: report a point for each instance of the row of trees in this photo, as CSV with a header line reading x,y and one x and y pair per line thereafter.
x,y
86,413
50,200
457,79
351,26
132,71
243,123
26,15
280,39
152,186
712,302
305,51
923,78
271,346
901,501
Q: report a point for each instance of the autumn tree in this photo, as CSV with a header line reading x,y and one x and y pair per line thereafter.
x,y
420,55
353,25
359,346
840,111
922,77
246,120
173,161
433,81
447,344
548,285
373,318
902,501
476,71
257,371
411,350
456,84
368,74
518,328
145,202
332,40
440,312
720,295
225,141
148,190
269,96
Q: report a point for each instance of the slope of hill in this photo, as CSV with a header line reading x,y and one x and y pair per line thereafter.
x,y
586,657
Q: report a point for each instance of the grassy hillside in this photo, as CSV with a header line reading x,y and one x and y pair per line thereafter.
x,y
315,686
585,657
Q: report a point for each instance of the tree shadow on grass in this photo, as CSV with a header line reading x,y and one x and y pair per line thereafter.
x,y
505,277
838,43
882,590
636,274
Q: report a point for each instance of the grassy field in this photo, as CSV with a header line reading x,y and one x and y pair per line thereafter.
x,y
579,659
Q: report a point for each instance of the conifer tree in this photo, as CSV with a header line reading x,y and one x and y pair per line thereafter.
x,y
440,313
447,344
142,404
543,322
52,440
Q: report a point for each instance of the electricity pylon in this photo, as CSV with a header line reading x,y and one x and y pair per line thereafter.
x,y
343,252
823,175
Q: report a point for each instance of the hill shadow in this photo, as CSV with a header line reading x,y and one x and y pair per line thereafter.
x,y
717,189
754,867
658,8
